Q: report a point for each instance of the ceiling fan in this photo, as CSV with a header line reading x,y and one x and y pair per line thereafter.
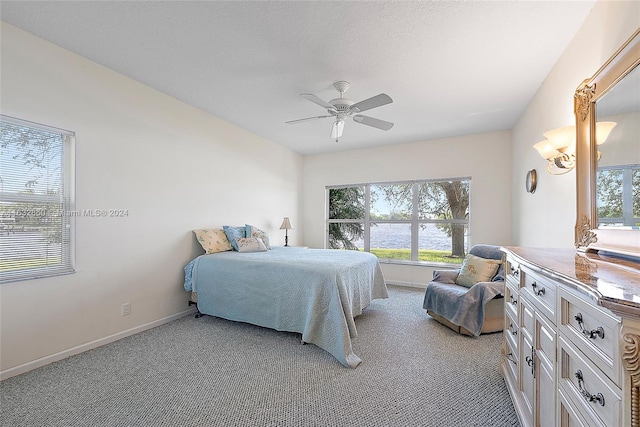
x,y
341,108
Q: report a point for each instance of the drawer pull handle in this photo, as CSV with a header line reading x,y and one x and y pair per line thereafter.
x,y
511,358
538,292
588,396
598,332
531,361
513,300
515,272
514,331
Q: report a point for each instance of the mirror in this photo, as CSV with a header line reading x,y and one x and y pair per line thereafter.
x,y
608,175
618,167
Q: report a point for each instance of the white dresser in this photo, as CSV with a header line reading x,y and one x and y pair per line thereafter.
x,y
572,327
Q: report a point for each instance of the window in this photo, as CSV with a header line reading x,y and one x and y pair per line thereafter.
x,y
36,200
618,196
413,221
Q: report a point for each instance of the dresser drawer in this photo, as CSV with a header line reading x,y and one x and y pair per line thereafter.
x,y
593,331
511,330
512,359
512,270
543,291
568,414
596,396
511,300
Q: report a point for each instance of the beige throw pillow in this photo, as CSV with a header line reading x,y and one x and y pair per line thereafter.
x,y
213,240
256,232
251,244
475,269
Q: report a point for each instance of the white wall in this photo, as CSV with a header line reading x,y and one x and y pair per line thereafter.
x,y
484,157
547,218
622,146
175,168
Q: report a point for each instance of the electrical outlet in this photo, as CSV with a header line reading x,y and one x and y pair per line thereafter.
x,y
126,309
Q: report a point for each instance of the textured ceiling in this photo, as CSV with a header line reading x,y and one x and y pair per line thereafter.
x,y
451,67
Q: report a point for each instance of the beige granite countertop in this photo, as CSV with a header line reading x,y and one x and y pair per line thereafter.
x,y
612,282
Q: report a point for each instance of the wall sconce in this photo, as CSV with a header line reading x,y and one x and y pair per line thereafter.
x,y
559,147
286,226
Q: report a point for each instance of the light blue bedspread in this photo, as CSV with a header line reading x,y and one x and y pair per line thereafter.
x,y
315,292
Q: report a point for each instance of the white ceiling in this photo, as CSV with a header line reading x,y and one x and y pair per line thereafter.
x,y
451,67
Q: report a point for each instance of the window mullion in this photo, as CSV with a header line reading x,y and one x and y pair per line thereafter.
x,y
367,218
415,200
627,196
326,215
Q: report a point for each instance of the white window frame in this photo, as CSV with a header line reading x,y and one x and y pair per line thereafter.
x,y
414,221
65,207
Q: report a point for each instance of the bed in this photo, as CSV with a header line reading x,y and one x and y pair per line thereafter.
x,y
315,292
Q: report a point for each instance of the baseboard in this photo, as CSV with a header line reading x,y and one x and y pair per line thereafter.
x,y
415,285
38,363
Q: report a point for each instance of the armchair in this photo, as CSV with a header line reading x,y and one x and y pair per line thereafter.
x,y
459,301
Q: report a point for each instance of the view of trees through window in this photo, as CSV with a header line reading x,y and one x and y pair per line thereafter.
x,y
618,196
411,221
34,190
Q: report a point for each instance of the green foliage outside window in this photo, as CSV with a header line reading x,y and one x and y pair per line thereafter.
x,y
618,195
443,204
346,203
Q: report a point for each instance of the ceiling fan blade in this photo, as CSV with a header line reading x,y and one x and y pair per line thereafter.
x,y
373,102
370,121
311,97
336,129
306,119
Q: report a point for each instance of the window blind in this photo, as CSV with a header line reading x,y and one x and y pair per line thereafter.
x,y
36,200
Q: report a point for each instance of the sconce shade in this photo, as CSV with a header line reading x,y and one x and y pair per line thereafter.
x,y
559,147
603,129
562,138
546,150
286,224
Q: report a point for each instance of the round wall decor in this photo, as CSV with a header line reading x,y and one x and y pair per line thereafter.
x,y
532,181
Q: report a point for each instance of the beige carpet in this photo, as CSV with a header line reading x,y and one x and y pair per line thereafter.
x,y
213,372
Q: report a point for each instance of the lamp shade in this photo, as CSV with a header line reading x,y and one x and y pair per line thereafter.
x,y
286,224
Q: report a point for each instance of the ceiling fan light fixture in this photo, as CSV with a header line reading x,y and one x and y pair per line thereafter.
x,y
341,108
336,129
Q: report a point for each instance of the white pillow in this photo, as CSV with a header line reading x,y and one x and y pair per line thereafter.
x,y
253,231
251,244
475,269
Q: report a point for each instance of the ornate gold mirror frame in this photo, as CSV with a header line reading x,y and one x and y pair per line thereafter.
x,y
588,237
